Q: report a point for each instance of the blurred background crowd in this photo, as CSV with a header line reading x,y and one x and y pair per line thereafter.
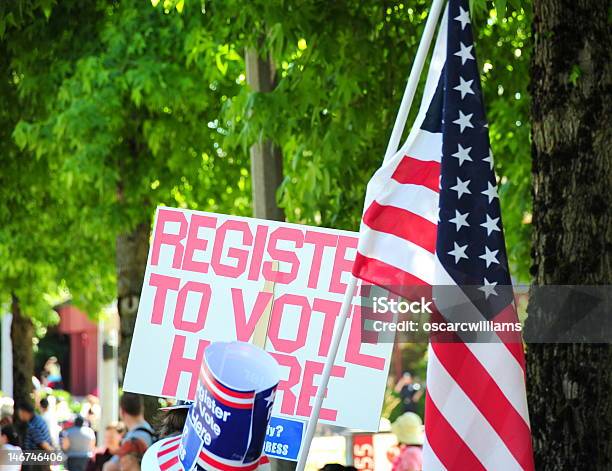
x,y
56,421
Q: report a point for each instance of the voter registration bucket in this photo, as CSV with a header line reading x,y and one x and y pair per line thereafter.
x,y
226,425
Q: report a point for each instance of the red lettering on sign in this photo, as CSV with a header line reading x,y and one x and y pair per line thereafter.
x,y
309,390
177,364
289,256
341,263
195,243
163,284
244,328
163,238
330,309
353,348
198,324
285,385
241,255
320,240
261,235
278,311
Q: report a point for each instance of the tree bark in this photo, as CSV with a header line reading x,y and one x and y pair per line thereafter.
x,y
22,332
569,384
131,259
266,158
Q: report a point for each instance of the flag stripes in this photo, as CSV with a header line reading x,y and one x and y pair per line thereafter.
x,y
466,419
402,223
417,199
469,374
418,172
375,269
403,255
450,449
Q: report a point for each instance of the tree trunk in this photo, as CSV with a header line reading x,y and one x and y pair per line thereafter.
x,y
266,169
266,158
22,332
131,257
569,384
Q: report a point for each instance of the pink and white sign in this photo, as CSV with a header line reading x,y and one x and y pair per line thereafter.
x,y
204,282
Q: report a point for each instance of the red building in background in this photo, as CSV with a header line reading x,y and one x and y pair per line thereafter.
x,y
83,349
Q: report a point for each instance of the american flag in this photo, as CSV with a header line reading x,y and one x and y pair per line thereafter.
x,y
432,219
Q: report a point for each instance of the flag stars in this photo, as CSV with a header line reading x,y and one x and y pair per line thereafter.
x,y
458,252
461,188
463,18
464,87
464,52
489,158
270,399
463,154
490,225
488,288
490,256
464,121
490,192
460,220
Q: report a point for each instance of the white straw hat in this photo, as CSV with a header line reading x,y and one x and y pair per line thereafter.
x,y
408,428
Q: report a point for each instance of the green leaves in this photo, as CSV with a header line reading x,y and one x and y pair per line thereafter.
x,y
113,109
480,7
109,118
500,7
335,101
225,54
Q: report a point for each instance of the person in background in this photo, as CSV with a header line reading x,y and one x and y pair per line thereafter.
x,y
130,454
47,412
37,435
52,373
91,411
38,390
173,419
131,411
408,428
62,410
409,392
6,411
9,442
78,442
112,442
337,467
333,467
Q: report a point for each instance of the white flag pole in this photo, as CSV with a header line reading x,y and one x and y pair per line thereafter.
x,y
329,363
396,135
413,79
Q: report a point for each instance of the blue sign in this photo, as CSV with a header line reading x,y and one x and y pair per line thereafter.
x,y
284,438
191,443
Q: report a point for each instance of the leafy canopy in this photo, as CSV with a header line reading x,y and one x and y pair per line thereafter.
x,y
112,109
115,106
341,70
